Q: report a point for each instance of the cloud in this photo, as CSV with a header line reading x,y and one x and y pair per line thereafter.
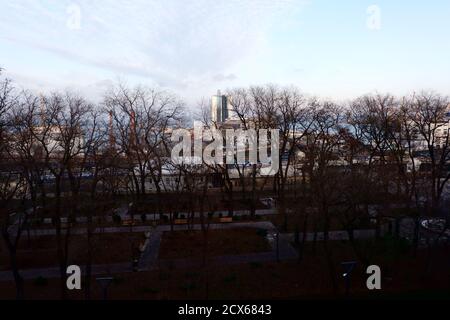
x,y
222,77
168,42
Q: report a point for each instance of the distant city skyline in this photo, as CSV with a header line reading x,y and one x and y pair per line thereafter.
x,y
332,49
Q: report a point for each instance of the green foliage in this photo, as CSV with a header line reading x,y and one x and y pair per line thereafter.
x,y
261,232
40,282
117,219
387,247
392,246
117,280
147,290
255,265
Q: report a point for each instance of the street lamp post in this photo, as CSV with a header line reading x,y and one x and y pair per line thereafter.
x,y
348,269
278,246
104,283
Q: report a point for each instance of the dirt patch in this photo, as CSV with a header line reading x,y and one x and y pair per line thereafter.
x,y
39,252
193,244
402,277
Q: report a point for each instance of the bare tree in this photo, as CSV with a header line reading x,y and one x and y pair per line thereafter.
x,y
142,118
13,217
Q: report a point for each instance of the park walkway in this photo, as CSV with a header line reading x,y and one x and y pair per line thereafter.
x,y
81,231
149,258
280,250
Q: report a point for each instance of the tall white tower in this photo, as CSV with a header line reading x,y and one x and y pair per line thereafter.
x,y
219,108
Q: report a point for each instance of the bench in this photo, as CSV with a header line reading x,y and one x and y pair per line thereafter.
x,y
181,221
226,219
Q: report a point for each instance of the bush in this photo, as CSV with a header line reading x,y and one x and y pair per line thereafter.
x,y
40,281
148,290
117,219
261,232
255,265
117,280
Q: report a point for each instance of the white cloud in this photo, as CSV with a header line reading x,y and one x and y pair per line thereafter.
x,y
172,43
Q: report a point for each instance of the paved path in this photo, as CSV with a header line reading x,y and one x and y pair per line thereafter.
x,y
149,258
49,232
155,216
335,235
53,272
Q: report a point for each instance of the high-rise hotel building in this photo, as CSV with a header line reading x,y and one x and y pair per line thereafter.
x,y
219,108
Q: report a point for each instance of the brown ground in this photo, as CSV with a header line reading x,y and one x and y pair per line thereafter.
x,y
191,244
403,276
40,252
295,222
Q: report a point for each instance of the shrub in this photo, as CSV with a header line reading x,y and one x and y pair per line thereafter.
x,y
255,265
40,281
117,219
117,280
261,232
149,290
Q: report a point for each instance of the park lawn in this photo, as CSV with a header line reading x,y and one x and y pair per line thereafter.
x,y
39,252
284,280
191,244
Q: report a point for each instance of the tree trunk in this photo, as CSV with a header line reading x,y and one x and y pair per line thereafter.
x,y
18,280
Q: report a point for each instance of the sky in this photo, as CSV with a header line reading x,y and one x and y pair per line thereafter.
x,y
332,49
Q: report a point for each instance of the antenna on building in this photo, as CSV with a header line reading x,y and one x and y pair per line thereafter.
x,y
42,108
133,128
112,138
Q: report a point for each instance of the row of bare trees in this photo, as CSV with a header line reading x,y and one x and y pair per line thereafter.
x,y
377,150
62,156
